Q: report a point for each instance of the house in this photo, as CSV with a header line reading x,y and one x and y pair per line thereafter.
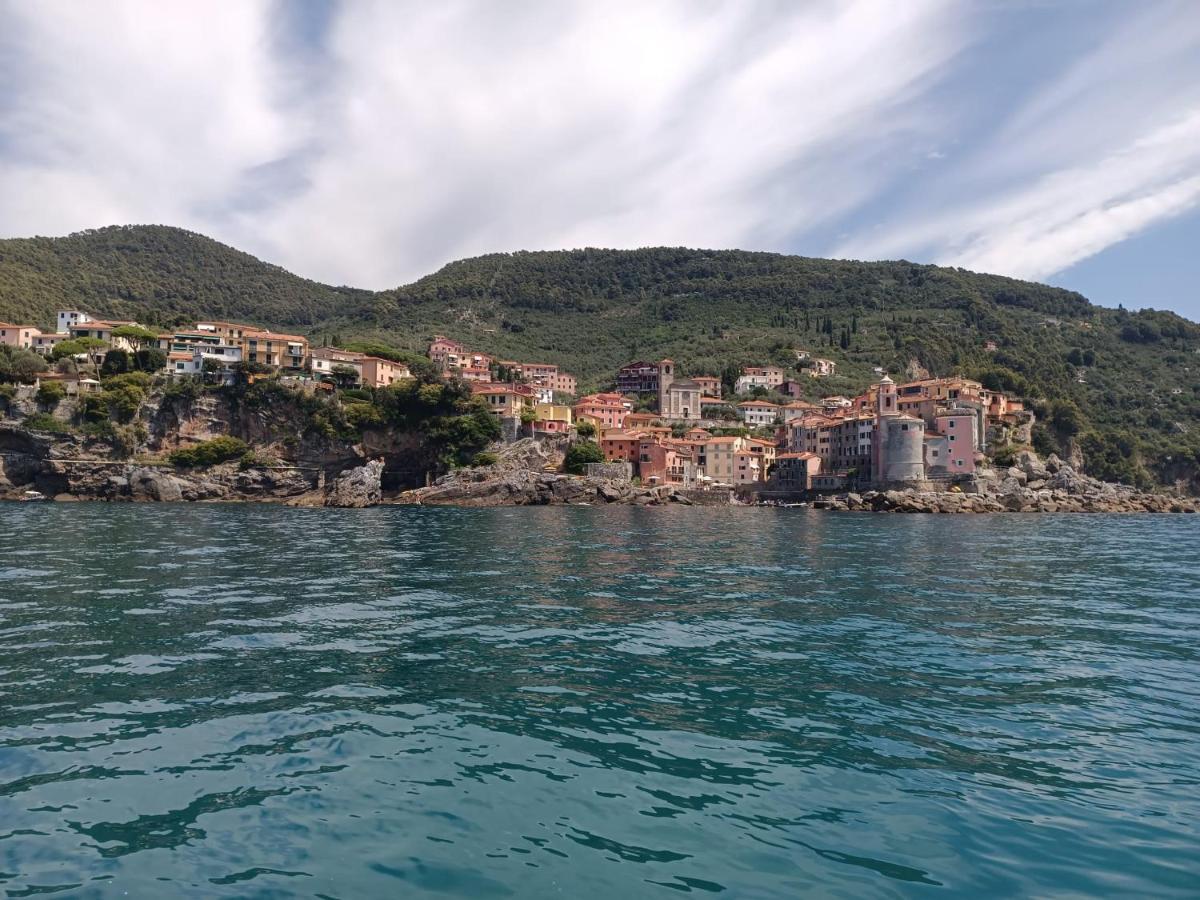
x,y
69,381
608,409
232,332
756,413
717,458
621,446
324,360
45,343
791,388
836,403
445,352
551,418
795,471
102,329
748,468
287,352
961,430
664,462
504,400
710,385
641,420
638,378
377,372
542,375
69,317
821,368
767,377
473,373
18,335
797,409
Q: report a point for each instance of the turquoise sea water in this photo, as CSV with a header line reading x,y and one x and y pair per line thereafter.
x,y
251,701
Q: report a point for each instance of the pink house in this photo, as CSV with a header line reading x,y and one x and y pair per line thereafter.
x,y
18,335
959,427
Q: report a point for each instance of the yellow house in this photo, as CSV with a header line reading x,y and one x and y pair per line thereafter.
x,y
553,418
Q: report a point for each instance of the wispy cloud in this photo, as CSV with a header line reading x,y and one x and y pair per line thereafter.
x,y
370,142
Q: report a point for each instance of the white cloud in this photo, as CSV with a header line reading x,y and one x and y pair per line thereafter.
x,y
418,133
1044,226
130,112
1108,148
605,125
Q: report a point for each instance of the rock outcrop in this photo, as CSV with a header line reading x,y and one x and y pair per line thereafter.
x,y
1031,485
484,487
358,487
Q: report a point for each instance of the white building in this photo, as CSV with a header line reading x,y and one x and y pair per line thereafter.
x,y
69,317
756,413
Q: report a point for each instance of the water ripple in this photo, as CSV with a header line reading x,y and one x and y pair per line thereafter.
x,y
253,701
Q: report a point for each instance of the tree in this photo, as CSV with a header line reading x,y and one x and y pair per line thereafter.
x,y
150,359
19,366
580,454
345,376
585,429
76,347
136,333
116,362
50,393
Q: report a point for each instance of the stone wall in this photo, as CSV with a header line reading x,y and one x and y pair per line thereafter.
x,y
613,471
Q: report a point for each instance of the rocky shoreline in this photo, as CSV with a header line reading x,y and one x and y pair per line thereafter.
x,y
525,474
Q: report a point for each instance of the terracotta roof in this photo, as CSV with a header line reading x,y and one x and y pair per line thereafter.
x,y
804,455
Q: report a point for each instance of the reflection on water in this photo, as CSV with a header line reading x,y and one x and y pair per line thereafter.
x,y
254,701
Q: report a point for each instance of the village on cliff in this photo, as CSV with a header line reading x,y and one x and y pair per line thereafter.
x,y
656,426
927,444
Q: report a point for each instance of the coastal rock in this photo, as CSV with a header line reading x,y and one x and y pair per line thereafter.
x,y
1028,462
357,488
149,484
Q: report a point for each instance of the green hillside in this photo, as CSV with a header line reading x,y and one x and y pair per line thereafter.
x,y
159,276
1125,387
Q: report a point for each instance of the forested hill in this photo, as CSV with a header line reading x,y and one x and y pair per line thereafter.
x,y
159,276
1124,386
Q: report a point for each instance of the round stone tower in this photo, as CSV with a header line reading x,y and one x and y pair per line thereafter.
x,y
904,450
885,409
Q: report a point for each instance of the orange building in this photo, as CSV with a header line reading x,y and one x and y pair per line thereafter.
x,y
609,409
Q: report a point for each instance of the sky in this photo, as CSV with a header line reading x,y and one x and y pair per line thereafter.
x,y
369,142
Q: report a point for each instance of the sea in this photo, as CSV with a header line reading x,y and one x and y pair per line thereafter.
x,y
255,701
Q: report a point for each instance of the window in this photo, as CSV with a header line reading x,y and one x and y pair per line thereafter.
x,y
951,437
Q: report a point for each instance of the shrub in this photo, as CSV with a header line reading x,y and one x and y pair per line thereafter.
x,y
363,415
252,459
580,454
50,393
485,458
1004,456
585,430
209,453
44,422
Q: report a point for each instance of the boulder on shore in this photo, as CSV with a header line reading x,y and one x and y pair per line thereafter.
x,y
358,487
